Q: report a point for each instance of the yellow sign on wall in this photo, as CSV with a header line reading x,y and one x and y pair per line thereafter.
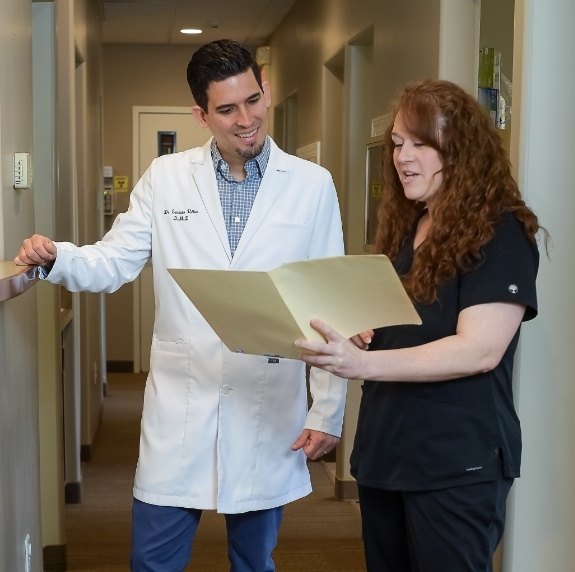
x,y
120,183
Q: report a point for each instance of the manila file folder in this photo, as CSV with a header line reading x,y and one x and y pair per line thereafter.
x,y
263,313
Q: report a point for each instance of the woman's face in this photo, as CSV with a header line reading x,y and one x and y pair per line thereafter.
x,y
418,165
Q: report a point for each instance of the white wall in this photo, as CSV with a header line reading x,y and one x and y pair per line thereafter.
x,y
19,488
541,530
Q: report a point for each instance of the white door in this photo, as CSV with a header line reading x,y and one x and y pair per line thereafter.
x,y
152,127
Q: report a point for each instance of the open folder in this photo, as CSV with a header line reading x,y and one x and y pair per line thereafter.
x,y
263,313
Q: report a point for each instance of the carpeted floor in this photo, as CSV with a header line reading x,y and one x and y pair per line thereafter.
x,y
319,533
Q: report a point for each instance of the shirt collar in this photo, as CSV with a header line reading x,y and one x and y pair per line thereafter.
x,y
261,160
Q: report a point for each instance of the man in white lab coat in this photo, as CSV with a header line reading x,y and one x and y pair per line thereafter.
x,y
220,430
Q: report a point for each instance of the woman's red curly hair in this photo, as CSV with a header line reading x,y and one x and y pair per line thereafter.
x,y
477,187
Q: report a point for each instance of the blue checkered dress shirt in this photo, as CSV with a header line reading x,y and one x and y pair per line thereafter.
x,y
237,197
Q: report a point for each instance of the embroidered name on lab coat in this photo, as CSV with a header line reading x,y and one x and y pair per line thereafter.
x,y
180,214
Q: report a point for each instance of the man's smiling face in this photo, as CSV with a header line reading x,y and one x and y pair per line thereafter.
x,y
237,116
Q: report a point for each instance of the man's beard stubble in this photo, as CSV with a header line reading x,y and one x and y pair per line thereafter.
x,y
251,153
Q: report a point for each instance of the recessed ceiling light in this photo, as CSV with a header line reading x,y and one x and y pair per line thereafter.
x,y
191,31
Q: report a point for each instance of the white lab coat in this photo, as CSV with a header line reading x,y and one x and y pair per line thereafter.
x,y
217,426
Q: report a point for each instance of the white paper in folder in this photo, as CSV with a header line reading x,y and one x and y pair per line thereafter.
x,y
263,313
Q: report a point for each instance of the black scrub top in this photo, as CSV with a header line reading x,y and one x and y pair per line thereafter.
x,y
424,436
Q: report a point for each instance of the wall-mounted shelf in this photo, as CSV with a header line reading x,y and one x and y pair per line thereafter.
x,y
15,280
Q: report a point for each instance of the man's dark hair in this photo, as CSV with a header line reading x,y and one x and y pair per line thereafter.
x,y
217,61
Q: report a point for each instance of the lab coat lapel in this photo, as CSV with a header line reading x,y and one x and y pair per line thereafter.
x,y
207,186
272,185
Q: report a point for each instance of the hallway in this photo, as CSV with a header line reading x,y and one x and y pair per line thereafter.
x,y
319,533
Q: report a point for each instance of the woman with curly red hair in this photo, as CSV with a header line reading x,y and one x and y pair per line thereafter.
x,y
438,441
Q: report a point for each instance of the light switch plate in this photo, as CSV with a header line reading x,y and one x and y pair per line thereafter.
x,y
22,171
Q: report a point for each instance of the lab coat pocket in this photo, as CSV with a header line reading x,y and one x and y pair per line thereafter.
x,y
163,421
166,392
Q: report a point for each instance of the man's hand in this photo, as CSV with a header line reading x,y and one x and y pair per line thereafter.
x,y
315,444
37,250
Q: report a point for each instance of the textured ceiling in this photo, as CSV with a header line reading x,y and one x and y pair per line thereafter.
x,y
250,22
